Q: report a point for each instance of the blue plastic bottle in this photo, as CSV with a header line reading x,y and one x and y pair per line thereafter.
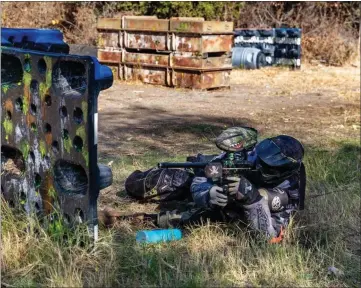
x,y
159,235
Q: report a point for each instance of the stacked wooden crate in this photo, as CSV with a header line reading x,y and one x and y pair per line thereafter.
x,y
179,52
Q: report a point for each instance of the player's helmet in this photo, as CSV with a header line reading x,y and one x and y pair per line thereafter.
x,y
278,158
236,139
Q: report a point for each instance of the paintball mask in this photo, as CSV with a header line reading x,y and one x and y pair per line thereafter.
x,y
236,139
278,158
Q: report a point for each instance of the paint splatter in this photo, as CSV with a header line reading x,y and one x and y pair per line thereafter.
x,y
8,127
5,88
52,192
26,78
81,133
84,107
42,148
67,144
25,149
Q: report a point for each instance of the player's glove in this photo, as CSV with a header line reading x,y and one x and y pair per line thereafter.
x,y
216,197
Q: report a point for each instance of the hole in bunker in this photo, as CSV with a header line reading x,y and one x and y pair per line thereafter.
x,y
22,198
37,181
19,104
8,115
78,115
63,112
34,88
48,100
79,215
70,177
42,66
27,64
78,143
11,69
47,128
12,161
69,78
33,127
33,108
55,146
47,160
65,134
32,156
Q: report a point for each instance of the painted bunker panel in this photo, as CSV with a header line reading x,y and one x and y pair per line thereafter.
x,y
201,79
109,23
146,23
218,62
49,137
110,39
202,43
200,26
150,75
146,58
146,40
113,56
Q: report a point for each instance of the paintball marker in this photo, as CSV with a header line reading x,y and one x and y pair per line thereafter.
x,y
233,164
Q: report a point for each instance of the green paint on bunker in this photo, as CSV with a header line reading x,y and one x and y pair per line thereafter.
x,y
42,148
67,144
25,148
82,134
8,127
84,107
86,156
52,192
26,78
49,70
45,86
25,105
43,90
5,87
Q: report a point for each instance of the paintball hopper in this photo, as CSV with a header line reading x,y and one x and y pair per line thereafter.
x,y
236,139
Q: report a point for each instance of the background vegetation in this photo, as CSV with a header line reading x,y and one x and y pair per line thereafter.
x,y
330,29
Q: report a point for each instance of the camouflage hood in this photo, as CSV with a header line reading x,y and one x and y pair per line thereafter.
x,y
237,138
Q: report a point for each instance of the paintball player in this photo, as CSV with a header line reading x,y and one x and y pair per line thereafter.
x,y
264,197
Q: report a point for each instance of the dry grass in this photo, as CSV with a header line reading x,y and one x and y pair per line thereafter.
x,y
309,79
326,234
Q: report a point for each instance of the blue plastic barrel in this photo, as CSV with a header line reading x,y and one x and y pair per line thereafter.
x,y
159,235
248,58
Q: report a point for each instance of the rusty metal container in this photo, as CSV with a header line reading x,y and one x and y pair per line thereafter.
x,y
223,61
145,40
110,56
109,33
147,74
202,43
161,60
145,23
184,25
201,79
110,39
109,23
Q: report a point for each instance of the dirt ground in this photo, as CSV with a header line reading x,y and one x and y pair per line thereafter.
x,y
313,104
318,105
